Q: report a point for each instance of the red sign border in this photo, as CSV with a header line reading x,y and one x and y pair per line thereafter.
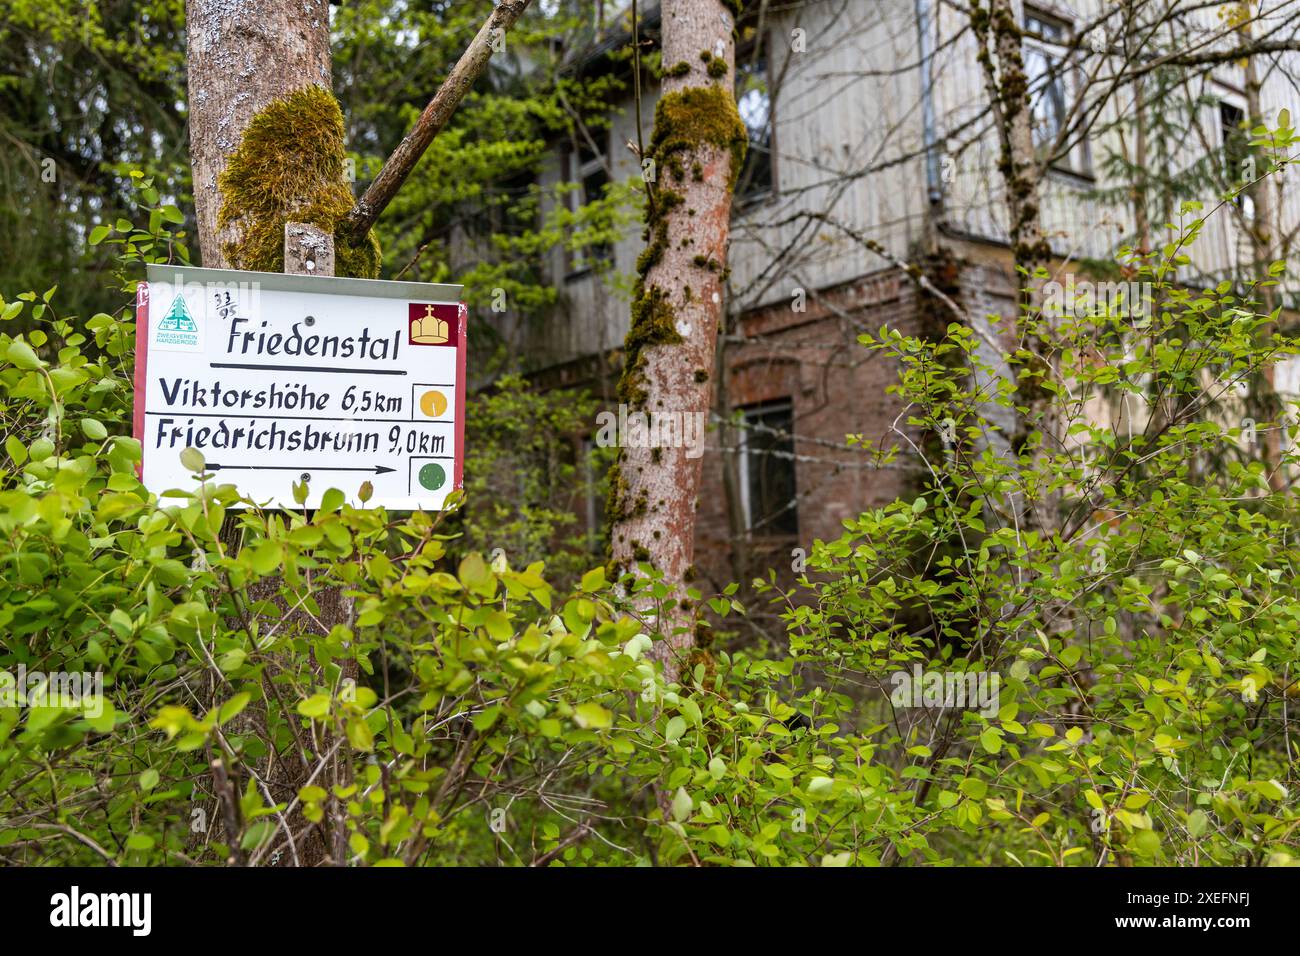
x,y
141,368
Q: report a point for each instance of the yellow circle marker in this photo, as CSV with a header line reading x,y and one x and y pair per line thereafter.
x,y
433,403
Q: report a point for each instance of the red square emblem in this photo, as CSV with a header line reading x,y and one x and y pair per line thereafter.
x,y
434,323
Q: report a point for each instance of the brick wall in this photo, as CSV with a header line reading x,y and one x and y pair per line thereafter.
x,y
837,387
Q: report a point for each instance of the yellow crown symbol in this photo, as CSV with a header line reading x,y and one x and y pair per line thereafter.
x,y
429,329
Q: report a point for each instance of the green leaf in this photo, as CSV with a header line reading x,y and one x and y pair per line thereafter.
x,y
21,355
974,788
821,786
484,720
192,460
360,736
17,451
267,557
592,716
476,576
682,804
1271,789
498,625
676,727
231,708
315,706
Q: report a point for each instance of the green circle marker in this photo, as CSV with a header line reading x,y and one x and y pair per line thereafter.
x,y
432,476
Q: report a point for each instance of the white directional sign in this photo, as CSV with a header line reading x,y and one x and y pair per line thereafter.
x,y
279,379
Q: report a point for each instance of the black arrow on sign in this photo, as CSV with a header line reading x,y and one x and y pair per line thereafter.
x,y
213,466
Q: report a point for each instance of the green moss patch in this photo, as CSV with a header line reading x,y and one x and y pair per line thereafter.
x,y
687,119
289,167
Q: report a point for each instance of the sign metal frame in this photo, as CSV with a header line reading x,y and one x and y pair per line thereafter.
x,y
184,335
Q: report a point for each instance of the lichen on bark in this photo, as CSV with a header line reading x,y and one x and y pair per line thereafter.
x,y
289,167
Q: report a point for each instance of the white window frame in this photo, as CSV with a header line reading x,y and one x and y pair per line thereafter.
x,y
1077,159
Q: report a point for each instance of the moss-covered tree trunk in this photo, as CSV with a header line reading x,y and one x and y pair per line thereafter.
x,y
1001,59
1017,160
696,149
242,57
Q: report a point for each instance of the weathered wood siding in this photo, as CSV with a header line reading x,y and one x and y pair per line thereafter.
x,y
849,144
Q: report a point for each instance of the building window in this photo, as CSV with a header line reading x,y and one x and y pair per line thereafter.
x,y
588,171
754,101
1050,86
593,499
1238,169
767,476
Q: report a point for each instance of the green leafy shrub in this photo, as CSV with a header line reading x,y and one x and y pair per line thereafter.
x,y
1123,599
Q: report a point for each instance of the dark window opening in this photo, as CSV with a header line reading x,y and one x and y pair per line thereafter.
x,y
754,101
767,472
587,170
512,204
1237,164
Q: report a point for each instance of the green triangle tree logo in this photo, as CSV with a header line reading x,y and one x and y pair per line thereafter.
x,y
178,318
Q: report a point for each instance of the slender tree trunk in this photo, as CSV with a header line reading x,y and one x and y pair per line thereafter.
x,y
695,154
243,56
1007,85
1262,232
1262,227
